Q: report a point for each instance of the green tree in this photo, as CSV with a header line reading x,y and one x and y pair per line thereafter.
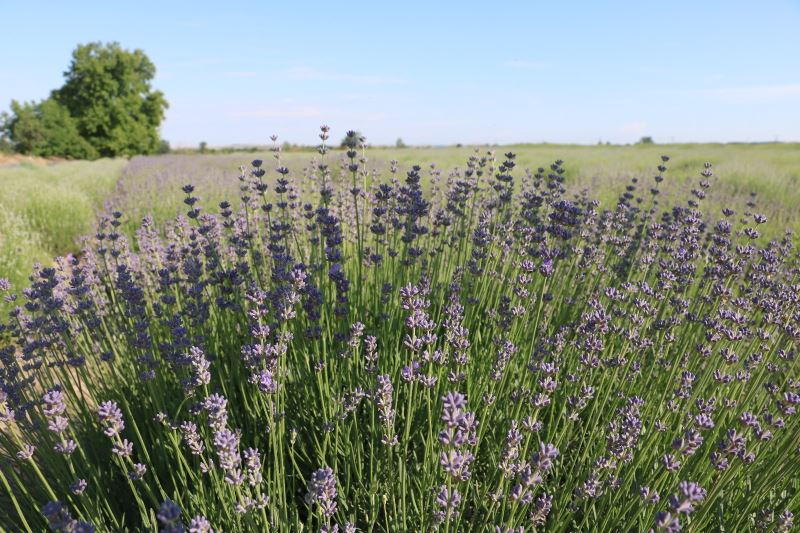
x,y
45,129
351,139
164,147
646,140
107,91
5,137
399,143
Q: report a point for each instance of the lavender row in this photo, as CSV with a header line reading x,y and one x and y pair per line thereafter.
x,y
342,350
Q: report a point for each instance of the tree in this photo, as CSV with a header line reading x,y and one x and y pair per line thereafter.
x,y
106,103
202,147
646,140
352,139
399,143
5,137
107,90
46,129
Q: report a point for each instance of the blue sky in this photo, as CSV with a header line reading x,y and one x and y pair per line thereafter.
x,y
437,72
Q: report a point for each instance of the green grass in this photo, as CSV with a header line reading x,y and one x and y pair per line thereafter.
x,y
45,209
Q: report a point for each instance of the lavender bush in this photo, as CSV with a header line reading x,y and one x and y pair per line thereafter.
x,y
345,351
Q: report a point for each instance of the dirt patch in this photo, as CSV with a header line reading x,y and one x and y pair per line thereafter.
x,y
12,160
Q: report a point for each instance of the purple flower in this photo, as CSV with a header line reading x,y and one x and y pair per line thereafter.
x,y
216,406
648,495
123,448
456,463
322,491
667,522
65,447
383,399
253,464
58,424
671,464
54,403
543,459
448,502
26,452
266,381
78,486
138,472
110,418
169,514
461,426
58,517
200,524
192,438
200,366
226,443
691,493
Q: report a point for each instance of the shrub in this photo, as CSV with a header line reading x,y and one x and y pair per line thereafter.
x,y
46,129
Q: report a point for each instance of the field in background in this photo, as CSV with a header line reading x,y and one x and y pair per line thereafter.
x,y
152,185
45,208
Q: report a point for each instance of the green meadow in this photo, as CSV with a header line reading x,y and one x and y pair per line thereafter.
x,y
45,209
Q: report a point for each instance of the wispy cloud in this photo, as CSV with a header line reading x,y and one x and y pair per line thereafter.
x,y
241,74
636,127
278,112
523,64
192,23
312,74
756,94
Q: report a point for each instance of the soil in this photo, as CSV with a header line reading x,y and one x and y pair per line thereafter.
x,y
12,160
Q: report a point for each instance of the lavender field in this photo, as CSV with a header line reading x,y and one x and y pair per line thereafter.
x,y
361,340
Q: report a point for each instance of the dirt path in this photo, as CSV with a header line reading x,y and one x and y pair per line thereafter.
x,y
11,160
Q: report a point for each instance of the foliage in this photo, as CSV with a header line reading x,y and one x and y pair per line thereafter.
x,y
6,146
489,355
400,144
352,139
105,108
46,129
646,140
107,89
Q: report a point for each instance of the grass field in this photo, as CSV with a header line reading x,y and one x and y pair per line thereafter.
x,y
45,209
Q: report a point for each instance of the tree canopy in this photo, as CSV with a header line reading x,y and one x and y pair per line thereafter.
x,y
106,107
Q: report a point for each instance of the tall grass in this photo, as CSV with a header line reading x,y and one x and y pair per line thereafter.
x,y
45,209
476,351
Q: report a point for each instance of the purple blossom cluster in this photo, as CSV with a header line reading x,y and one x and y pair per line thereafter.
x,y
322,491
341,312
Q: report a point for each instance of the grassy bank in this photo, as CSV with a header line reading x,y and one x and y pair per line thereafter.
x,y
44,209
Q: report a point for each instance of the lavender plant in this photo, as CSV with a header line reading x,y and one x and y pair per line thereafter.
x,y
339,350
